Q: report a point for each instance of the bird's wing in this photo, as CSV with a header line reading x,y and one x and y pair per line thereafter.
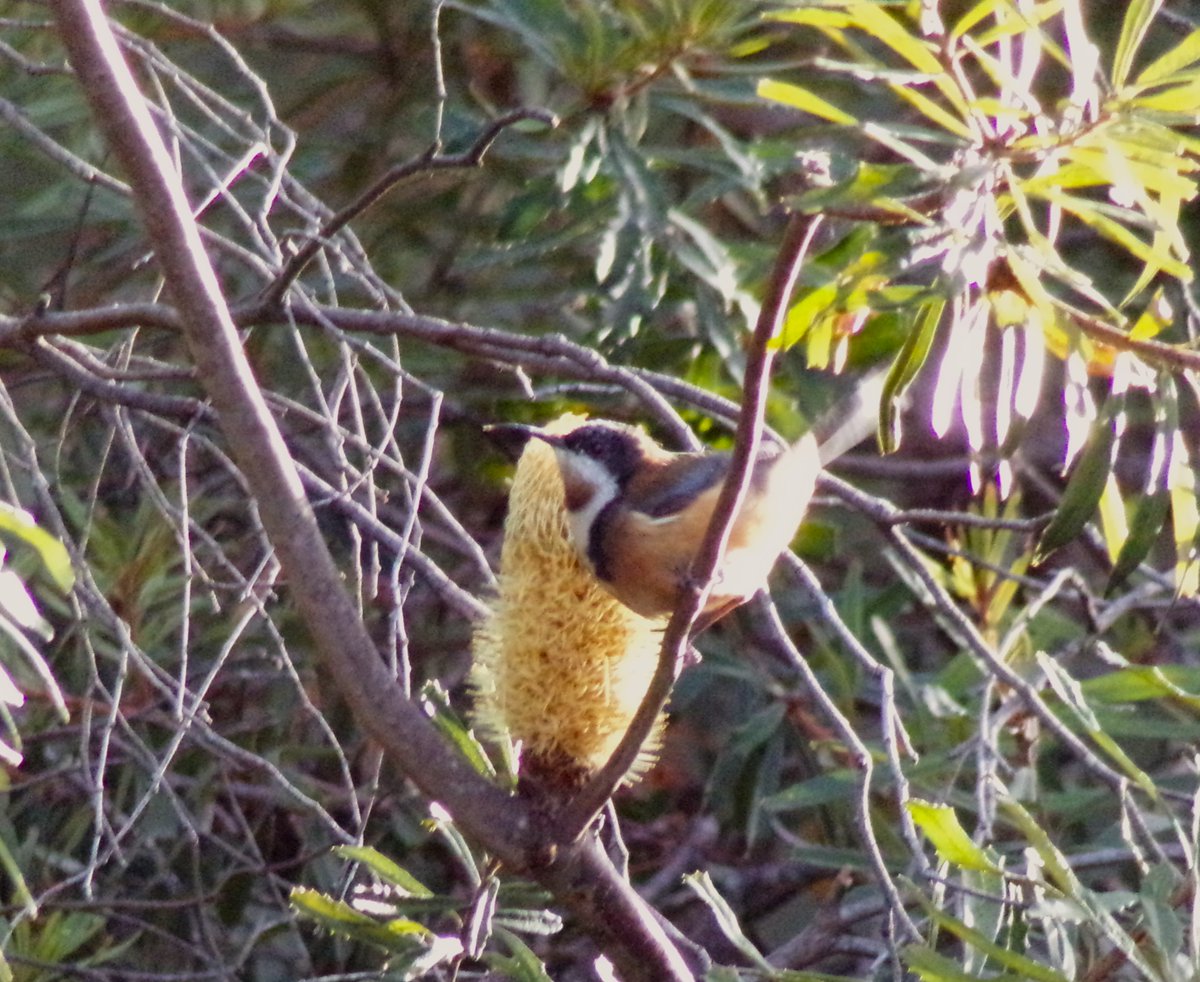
x,y
670,487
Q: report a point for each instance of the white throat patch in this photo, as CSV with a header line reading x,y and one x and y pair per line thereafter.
x,y
586,479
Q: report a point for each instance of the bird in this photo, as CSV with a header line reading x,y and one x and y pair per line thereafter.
x,y
637,513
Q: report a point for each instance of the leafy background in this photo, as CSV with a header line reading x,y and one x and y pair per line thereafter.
x,y
1001,216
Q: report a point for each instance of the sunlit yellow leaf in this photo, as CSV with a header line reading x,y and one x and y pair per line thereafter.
x,y
976,15
879,24
1185,519
1185,54
798,98
1156,318
995,108
875,21
1138,15
805,313
1155,143
1151,506
1114,524
903,148
1072,173
1120,161
932,111
1167,236
1027,274
818,343
949,838
1015,22
1184,99
1091,214
814,17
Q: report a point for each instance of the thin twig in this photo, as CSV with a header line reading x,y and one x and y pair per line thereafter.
x,y
860,755
427,163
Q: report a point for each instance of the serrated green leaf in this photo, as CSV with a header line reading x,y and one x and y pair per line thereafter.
x,y
941,826
825,789
383,867
437,704
539,922
441,823
16,878
1071,693
929,966
1086,484
982,910
1138,15
1185,519
326,909
799,98
394,934
1063,876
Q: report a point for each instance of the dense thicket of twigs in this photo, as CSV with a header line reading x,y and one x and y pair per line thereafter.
x,y
960,741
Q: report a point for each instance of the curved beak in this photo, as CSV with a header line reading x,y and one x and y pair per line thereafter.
x,y
514,436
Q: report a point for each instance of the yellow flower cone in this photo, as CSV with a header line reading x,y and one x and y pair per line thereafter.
x,y
560,665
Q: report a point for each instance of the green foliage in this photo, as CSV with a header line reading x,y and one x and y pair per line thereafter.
x,y
994,163
1007,197
19,618
413,950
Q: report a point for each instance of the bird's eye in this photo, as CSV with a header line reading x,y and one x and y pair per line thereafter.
x,y
589,441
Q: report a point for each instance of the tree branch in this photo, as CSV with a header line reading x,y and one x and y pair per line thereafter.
x,y
427,163
581,876
579,814
257,444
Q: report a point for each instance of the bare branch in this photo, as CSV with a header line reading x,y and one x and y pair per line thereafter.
x,y
331,616
586,805
427,163
581,876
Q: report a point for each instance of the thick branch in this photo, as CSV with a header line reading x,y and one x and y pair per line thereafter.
x,y
580,876
258,446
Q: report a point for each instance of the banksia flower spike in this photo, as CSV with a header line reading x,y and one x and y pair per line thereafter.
x,y
560,665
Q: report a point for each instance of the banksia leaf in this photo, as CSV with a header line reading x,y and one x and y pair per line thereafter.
x,y
1152,508
560,665
1086,484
